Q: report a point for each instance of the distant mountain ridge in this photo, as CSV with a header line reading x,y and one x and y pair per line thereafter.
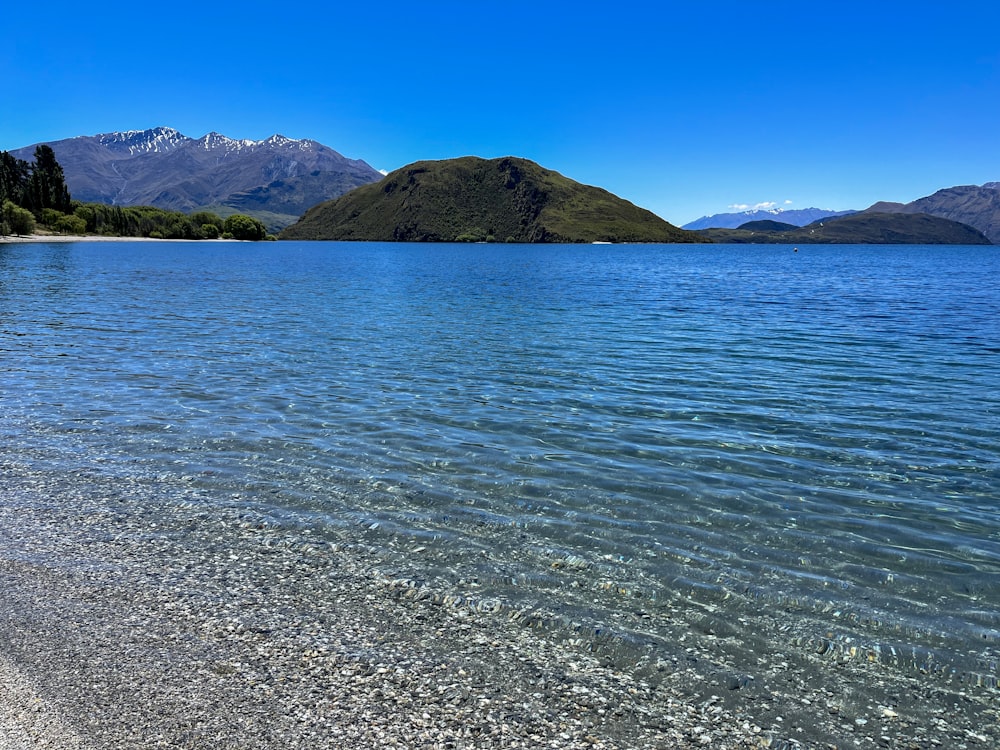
x,y
164,168
470,199
975,205
797,216
858,228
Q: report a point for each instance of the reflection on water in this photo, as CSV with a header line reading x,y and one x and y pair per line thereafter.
x,y
640,438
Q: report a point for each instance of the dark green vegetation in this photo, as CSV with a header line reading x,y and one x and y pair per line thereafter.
x,y
241,227
472,200
857,229
157,223
767,225
975,205
33,194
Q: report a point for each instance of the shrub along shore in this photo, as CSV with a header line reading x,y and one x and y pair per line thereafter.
x,y
101,221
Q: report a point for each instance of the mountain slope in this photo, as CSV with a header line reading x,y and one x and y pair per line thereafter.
x,y
164,168
469,198
797,216
862,229
975,205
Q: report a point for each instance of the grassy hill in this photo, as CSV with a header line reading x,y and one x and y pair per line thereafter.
x,y
860,229
471,199
768,225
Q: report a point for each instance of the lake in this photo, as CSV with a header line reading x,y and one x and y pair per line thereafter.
x,y
755,449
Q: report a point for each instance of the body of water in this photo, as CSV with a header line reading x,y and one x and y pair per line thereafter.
x,y
644,443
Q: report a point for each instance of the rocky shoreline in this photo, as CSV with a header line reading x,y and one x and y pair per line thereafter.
x,y
139,615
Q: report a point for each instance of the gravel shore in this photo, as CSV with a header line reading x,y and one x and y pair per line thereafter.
x,y
140,616
27,721
13,238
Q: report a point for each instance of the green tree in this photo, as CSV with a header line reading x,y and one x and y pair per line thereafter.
x,y
48,217
17,220
200,218
89,216
70,224
243,227
13,178
474,234
46,186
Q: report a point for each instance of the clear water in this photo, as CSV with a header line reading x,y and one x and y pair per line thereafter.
x,y
612,433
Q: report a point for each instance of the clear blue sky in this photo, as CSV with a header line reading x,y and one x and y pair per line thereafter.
x,y
683,108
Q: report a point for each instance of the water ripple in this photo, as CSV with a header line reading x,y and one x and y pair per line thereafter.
x,y
738,430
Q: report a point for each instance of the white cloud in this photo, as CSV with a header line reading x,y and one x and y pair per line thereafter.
x,y
384,171
762,206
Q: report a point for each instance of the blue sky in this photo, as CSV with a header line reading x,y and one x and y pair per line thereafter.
x,y
685,109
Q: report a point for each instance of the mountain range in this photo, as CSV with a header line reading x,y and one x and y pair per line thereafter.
x,y
471,199
858,228
278,179
274,180
796,216
975,205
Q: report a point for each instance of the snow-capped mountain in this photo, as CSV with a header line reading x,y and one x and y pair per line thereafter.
x,y
277,177
797,216
132,142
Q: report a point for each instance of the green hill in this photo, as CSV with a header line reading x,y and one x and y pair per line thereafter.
x,y
472,199
861,229
768,225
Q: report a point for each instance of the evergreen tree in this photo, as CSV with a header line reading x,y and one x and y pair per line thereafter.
x,y
13,178
47,184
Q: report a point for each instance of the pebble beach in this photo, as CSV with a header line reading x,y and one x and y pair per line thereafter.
x,y
272,638
282,641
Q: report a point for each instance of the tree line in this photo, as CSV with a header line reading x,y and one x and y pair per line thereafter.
x,y
36,193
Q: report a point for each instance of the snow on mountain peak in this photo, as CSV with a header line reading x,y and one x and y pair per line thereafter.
x,y
163,139
158,140
214,141
280,140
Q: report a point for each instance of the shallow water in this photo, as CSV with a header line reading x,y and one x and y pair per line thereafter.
x,y
641,441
